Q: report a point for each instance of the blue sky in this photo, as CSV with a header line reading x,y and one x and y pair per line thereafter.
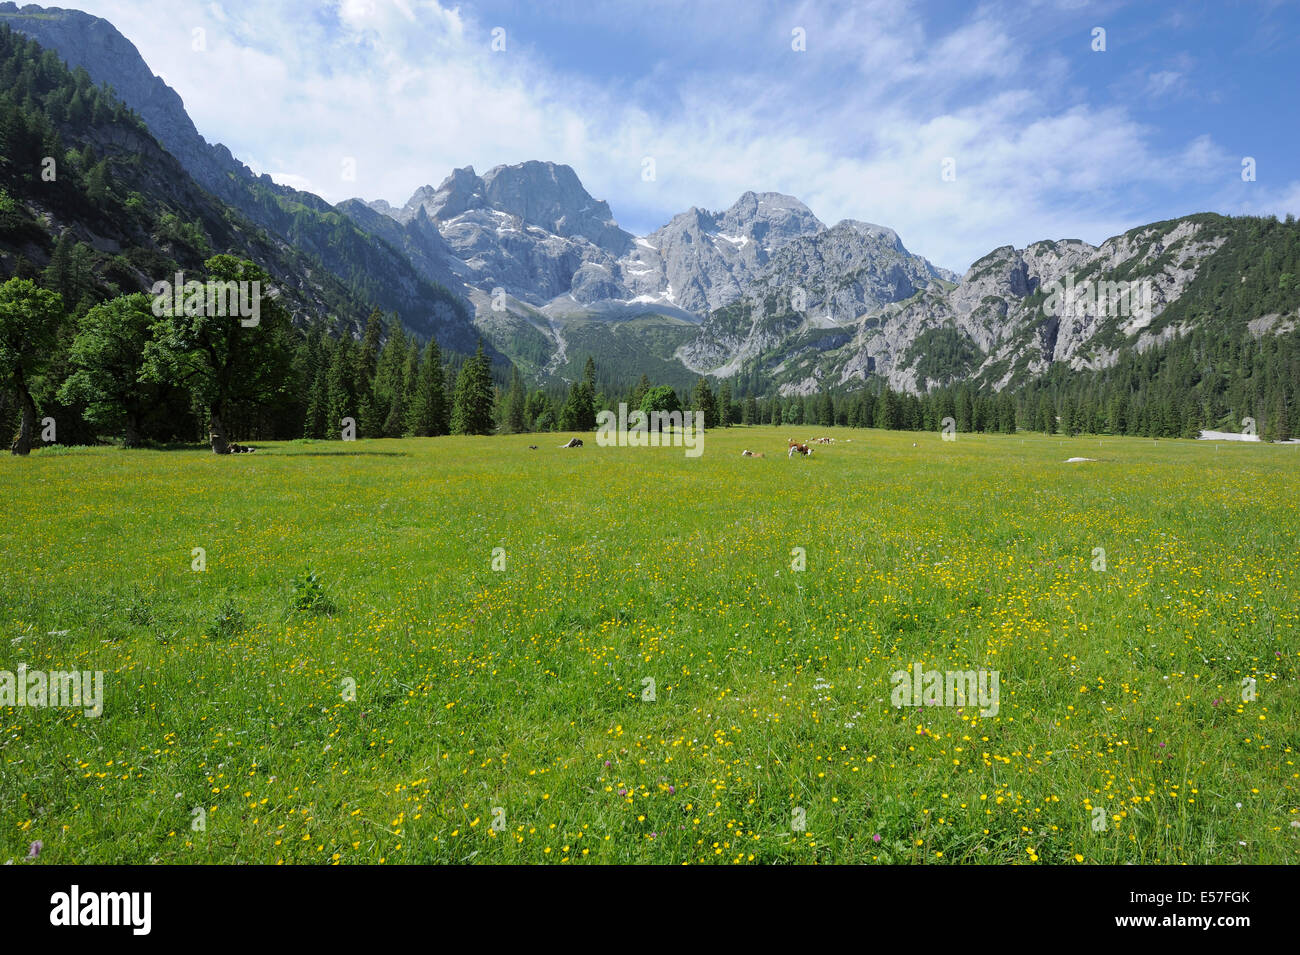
x,y
1048,137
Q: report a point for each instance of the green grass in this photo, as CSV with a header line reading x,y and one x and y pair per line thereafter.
x,y
228,690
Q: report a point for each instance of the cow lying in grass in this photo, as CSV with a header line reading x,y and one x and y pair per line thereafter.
x,y
751,454
573,443
801,448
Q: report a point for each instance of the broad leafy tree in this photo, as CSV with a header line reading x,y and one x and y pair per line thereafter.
x,y
29,322
108,359
219,360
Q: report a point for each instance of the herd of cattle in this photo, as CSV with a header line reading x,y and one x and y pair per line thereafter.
x,y
803,450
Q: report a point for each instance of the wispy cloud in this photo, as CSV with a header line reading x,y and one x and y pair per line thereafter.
x,y
858,124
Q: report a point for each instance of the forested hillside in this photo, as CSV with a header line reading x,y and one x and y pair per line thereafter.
x,y
94,212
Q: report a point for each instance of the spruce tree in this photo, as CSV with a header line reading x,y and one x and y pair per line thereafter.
x,y
1047,415
368,359
515,418
318,399
705,403
1281,420
390,383
579,411
638,392
411,376
395,423
340,401
428,411
473,401
826,410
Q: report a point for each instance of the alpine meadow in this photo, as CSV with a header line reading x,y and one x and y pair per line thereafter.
x,y
423,665
355,520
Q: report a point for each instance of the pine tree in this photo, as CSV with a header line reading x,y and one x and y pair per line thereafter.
x,y
638,392
536,406
428,410
474,398
964,413
1007,413
579,410
1047,415
411,380
1281,420
58,274
390,381
826,409
1067,416
370,420
369,424
318,396
724,405
515,418
1119,415
368,359
888,411
340,401
705,403
395,423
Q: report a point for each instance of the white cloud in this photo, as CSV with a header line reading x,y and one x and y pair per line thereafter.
x,y
856,126
1164,82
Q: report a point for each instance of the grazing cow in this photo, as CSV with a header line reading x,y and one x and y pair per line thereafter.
x,y
751,454
803,449
573,443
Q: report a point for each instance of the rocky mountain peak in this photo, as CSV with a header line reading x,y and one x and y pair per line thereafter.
x,y
763,214
94,43
884,233
546,195
458,193
550,196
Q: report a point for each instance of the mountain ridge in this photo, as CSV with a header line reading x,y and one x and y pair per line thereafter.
x,y
373,268
525,256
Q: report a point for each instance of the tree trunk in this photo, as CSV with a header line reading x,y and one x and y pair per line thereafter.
x,y
132,439
22,443
218,432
